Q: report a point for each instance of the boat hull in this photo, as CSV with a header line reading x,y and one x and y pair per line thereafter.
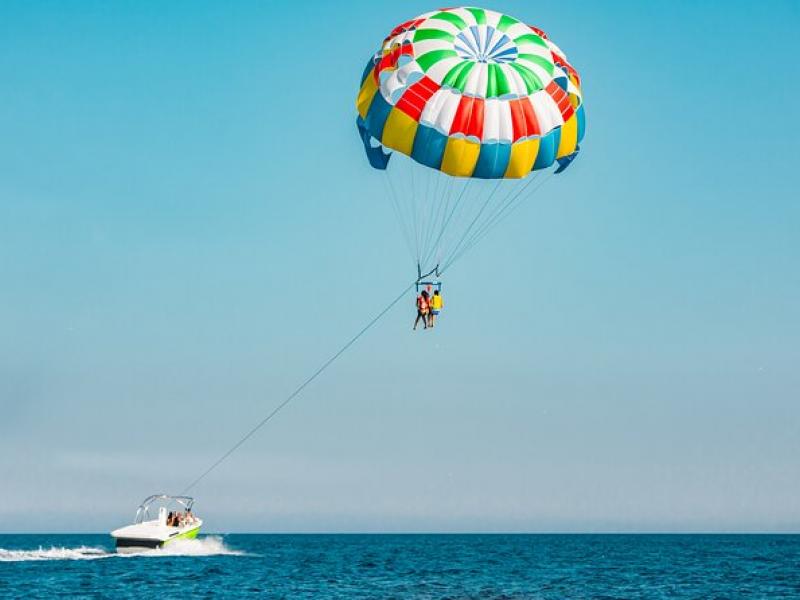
x,y
131,545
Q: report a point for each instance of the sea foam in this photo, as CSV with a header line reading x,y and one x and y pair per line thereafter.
x,y
210,545
206,546
53,553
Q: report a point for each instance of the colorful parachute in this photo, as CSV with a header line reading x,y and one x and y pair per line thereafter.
x,y
470,93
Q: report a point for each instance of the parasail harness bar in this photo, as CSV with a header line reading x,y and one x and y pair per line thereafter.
x,y
421,278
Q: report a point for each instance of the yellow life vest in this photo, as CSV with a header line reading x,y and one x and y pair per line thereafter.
x,y
436,302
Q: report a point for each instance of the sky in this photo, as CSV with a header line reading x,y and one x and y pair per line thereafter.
x,y
189,228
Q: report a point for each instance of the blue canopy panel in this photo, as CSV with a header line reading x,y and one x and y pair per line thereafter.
x,y
375,154
566,161
492,160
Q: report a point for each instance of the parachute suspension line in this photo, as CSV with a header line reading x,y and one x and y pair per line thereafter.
x,y
420,200
510,207
403,209
434,248
470,207
396,207
501,207
481,231
426,212
299,389
500,215
405,191
432,202
436,205
448,217
414,217
471,225
472,236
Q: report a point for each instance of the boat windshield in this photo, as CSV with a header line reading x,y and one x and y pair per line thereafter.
x,y
149,509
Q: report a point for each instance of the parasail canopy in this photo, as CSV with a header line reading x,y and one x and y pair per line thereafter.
x,y
466,93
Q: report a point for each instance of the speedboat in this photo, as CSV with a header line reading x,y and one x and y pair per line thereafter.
x,y
160,520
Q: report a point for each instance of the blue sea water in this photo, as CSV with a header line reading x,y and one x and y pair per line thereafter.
x,y
408,566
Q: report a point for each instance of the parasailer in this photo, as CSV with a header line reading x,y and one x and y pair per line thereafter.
x,y
423,306
476,105
436,305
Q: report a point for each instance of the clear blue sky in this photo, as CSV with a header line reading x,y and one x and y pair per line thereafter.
x,y
188,227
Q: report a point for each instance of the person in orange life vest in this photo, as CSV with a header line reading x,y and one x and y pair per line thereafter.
x,y
435,305
422,310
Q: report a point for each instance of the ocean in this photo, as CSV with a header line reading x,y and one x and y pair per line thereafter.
x,y
407,566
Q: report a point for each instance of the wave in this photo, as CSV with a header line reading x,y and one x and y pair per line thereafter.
x,y
206,546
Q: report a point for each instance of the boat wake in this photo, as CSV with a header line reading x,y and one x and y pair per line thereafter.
x,y
53,553
210,545
206,546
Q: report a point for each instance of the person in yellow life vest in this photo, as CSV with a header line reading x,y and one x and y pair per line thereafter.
x,y
436,304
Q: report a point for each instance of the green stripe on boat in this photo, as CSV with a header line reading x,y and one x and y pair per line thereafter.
x,y
186,535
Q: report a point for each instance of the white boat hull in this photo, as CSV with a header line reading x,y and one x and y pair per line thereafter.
x,y
151,535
